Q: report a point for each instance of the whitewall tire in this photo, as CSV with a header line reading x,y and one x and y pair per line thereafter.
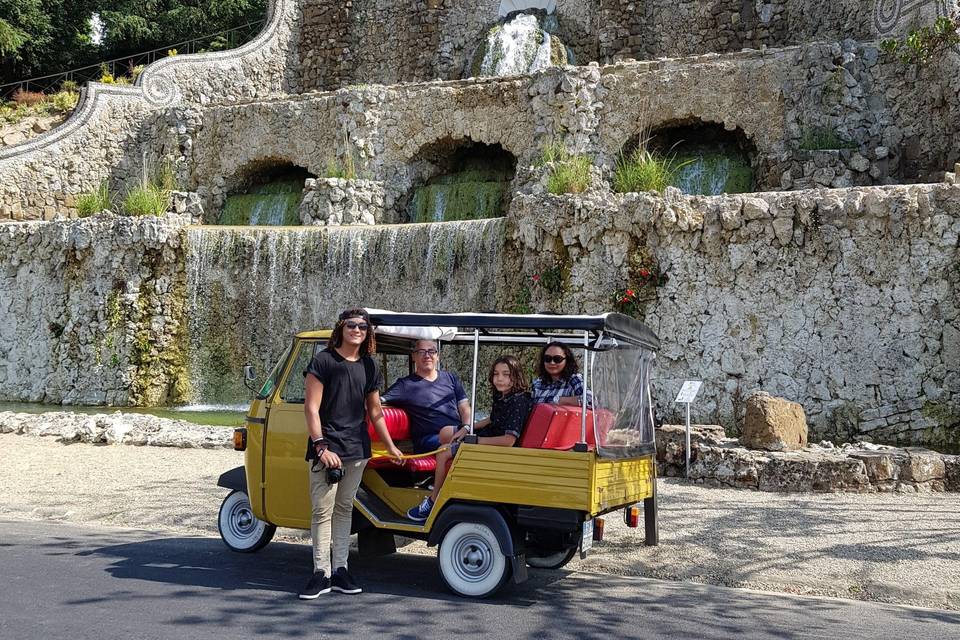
x,y
471,562
240,530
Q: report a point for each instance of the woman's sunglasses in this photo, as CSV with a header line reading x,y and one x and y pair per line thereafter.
x,y
363,326
553,359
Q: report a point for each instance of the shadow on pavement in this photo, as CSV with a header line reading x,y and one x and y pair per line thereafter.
x,y
405,598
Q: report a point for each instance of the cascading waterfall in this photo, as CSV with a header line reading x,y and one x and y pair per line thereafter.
x,y
273,204
250,290
463,195
521,44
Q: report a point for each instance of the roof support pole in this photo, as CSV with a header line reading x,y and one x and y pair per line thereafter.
x,y
582,445
473,388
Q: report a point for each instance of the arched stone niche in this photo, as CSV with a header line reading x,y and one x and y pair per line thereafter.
x,y
715,159
256,176
456,179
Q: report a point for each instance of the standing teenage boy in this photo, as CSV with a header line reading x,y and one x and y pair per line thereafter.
x,y
342,387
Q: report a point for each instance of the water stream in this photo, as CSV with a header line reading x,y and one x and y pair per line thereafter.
x,y
274,204
520,44
251,289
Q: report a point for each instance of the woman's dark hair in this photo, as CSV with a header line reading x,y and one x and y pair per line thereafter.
x,y
569,365
369,345
518,380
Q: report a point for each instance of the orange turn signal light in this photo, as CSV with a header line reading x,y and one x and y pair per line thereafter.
x,y
631,516
239,439
598,529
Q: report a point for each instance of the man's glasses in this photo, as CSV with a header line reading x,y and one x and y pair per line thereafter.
x,y
363,326
553,359
425,352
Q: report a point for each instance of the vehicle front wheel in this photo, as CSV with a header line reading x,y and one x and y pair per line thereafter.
x,y
552,560
471,562
240,530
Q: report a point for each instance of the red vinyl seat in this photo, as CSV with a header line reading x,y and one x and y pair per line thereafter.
x,y
557,427
398,425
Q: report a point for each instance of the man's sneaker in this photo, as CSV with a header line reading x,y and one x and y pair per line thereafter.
x,y
421,512
343,582
319,583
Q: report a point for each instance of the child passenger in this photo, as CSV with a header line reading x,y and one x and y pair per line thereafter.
x,y
511,406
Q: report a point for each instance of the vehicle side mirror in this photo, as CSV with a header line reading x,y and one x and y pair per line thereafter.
x,y
249,377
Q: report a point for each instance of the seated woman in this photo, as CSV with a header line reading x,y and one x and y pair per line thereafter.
x,y
558,379
511,406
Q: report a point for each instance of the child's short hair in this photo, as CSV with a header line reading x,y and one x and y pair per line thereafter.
x,y
518,380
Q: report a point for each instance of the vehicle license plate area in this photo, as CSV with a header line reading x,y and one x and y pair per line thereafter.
x,y
586,539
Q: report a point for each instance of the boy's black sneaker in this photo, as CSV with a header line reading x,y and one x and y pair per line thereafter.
x,y
319,583
343,582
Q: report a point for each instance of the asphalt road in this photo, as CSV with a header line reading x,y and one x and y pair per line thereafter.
x,y
77,583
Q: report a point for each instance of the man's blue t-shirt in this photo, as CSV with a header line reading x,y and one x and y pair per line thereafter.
x,y
430,405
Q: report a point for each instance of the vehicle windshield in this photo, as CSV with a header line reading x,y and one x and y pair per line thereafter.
x,y
271,382
623,410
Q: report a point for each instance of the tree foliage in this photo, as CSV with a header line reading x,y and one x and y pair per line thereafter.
x,y
39,37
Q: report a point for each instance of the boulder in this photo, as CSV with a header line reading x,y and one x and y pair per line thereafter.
x,y
773,424
951,478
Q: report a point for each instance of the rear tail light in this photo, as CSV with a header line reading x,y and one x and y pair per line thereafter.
x,y
240,439
597,529
631,516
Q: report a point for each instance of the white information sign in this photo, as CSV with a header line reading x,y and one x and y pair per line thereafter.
x,y
689,391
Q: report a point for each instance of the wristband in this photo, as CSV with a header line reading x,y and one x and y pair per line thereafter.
x,y
322,443
465,426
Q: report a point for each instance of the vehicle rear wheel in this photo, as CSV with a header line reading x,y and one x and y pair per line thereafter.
x,y
471,562
552,560
240,530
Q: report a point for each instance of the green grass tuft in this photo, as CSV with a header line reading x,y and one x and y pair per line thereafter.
x,y
643,170
571,175
95,201
146,200
822,139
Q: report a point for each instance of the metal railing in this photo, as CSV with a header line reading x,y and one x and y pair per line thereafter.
x,y
123,67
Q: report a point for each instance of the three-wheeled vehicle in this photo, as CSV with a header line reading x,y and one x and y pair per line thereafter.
x,y
500,508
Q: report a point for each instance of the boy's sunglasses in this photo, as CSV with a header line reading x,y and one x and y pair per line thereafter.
x,y
553,359
363,326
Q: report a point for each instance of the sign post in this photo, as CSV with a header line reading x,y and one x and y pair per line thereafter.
x,y
687,393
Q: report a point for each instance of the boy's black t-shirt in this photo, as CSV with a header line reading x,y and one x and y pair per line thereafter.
x,y
343,408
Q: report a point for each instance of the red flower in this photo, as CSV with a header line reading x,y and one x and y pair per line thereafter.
x,y
644,273
625,300
536,278
630,293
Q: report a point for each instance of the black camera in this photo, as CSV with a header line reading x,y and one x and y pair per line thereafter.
x,y
334,475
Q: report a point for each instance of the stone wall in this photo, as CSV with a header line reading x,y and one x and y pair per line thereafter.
x,y
116,133
91,311
336,202
391,41
900,123
845,301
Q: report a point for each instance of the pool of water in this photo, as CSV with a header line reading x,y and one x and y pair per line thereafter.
x,y
209,414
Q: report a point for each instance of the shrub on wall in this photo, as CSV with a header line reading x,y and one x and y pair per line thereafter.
x,y
923,44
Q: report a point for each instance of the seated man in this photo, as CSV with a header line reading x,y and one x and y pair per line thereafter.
x,y
434,399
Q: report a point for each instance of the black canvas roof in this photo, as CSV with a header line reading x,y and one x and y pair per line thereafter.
x,y
616,325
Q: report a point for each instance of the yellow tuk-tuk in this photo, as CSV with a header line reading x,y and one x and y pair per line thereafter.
x,y
500,508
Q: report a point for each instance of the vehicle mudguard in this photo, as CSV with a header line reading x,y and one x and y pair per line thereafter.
x,y
482,514
235,479
490,516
